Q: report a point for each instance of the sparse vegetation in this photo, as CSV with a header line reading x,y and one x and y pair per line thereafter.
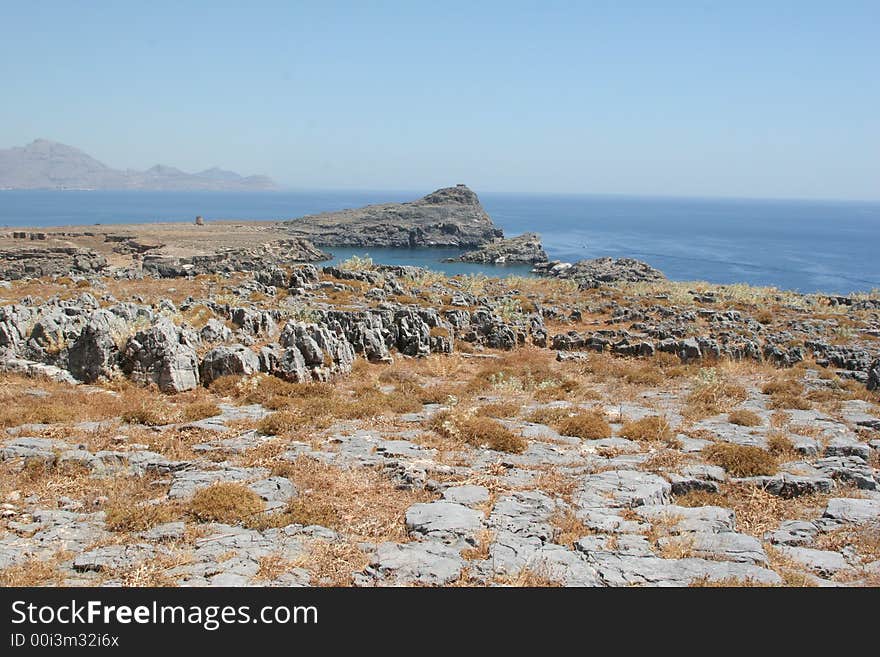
x,y
741,460
225,502
590,425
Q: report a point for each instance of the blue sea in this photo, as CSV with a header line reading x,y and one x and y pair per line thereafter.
x,y
807,246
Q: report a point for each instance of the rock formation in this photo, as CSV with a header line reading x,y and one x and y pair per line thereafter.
x,y
525,248
16,264
594,273
450,217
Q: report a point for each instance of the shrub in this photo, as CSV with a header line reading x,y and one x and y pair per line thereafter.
x,y
548,415
150,412
277,423
478,431
744,418
590,425
741,460
126,516
200,410
786,393
649,429
779,444
712,394
225,502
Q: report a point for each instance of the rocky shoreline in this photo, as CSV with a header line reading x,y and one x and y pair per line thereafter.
x,y
217,419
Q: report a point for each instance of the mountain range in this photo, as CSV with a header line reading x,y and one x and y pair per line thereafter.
x,y
45,164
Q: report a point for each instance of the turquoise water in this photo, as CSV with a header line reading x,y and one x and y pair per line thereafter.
x,y
801,245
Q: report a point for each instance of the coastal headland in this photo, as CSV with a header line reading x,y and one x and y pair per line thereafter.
x,y
208,405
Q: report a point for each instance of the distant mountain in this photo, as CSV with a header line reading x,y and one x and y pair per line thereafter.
x,y
45,164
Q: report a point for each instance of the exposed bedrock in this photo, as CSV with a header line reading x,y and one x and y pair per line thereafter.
x,y
449,217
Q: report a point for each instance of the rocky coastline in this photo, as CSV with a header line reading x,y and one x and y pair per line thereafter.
x,y
241,418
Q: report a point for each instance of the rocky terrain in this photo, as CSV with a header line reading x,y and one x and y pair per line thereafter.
x,y
449,217
598,271
45,164
525,248
378,425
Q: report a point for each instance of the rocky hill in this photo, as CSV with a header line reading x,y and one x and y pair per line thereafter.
x,y
45,164
450,217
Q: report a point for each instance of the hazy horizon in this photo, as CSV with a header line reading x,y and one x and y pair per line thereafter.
x,y
758,101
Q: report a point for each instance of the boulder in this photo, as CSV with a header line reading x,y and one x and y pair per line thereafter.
x,y
161,355
233,359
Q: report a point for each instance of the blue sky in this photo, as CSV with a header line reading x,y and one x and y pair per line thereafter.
x,y
752,99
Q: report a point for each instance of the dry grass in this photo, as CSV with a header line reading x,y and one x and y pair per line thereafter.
x,y
653,428
35,571
786,392
780,445
548,415
129,516
711,394
277,423
332,563
568,528
200,410
477,431
225,502
864,540
744,418
273,566
757,511
499,409
590,425
741,460
361,502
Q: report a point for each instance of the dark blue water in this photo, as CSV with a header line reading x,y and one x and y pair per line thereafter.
x,y
801,245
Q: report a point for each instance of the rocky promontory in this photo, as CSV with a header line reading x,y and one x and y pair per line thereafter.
x,y
451,217
525,248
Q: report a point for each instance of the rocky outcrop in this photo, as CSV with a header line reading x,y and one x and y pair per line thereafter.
x,y
270,255
874,375
600,271
16,264
234,359
94,352
163,355
525,248
450,217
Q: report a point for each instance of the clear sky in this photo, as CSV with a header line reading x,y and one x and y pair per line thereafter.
x,y
742,98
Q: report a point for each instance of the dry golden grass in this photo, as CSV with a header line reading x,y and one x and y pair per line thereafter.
x,y
786,392
780,445
590,425
711,394
278,423
273,566
362,502
130,516
35,571
477,431
499,409
741,460
864,540
744,418
548,415
332,563
653,428
568,528
530,577
225,502
757,511
200,410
